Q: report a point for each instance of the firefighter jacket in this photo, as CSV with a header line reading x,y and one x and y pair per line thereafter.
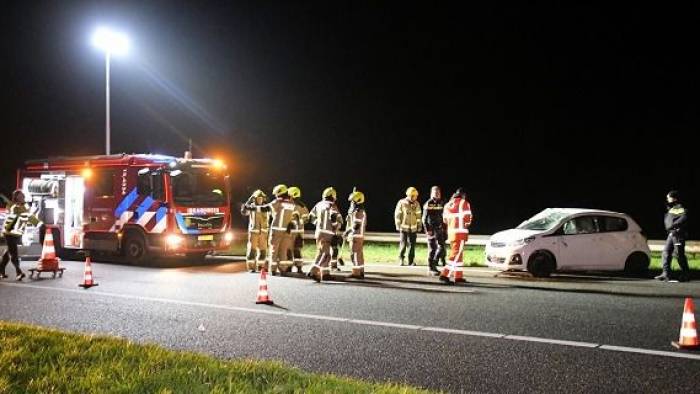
x,y
18,215
407,216
284,213
457,216
326,217
676,221
303,217
432,217
258,217
356,223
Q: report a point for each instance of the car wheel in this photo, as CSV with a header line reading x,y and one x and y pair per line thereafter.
x,y
135,249
541,264
637,264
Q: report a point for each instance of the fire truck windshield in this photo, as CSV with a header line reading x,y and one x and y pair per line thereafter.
x,y
198,188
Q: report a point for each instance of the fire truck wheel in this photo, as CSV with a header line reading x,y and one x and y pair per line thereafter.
x,y
135,249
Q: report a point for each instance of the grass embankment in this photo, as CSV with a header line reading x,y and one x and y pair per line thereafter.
x,y
40,360
387,253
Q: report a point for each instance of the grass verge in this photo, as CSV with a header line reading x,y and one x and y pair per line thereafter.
x,y
40,360
387,253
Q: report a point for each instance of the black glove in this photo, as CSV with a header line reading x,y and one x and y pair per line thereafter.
x,y
290,226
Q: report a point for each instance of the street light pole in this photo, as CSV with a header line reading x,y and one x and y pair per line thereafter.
x,y
107,130
111,43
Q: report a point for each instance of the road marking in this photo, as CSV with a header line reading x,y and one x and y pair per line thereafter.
x,y
648,351
369,322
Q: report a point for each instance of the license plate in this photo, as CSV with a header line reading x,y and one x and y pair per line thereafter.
x,y
205,238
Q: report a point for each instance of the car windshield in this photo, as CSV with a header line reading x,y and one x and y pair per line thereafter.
x,y
198,187
543,221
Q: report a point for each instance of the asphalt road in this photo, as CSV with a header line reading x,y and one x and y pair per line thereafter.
x,y
496,334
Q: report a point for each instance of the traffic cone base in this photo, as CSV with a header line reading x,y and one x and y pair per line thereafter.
x,y
263,295
88,281
48,260
689,334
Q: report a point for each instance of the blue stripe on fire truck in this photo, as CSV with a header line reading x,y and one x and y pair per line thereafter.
x,y
147,202
126,203
181,223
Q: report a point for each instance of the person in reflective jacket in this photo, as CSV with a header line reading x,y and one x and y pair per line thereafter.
x,y
435,228
676,223
18,216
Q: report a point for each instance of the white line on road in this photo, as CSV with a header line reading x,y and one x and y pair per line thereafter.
x,y
367,322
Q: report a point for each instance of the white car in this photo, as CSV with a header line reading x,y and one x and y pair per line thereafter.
x,y
570,239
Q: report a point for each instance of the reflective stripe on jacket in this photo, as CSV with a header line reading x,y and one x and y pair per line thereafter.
x,y
407,215
458,215
326,217
356,223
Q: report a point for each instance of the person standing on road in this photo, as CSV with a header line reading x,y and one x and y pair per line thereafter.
x,y
458,217
285,217
258,228
676,223
298,230
326,217
407,218
18,216
355,232
435,228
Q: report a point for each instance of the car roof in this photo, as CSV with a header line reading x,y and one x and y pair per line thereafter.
x,y
575,211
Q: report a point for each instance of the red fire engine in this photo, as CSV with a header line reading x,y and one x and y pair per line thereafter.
x,y
133,205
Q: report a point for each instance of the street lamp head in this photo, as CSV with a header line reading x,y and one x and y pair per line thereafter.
x,y
112,42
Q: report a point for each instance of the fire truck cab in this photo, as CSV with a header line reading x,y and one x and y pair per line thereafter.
x,y
133,205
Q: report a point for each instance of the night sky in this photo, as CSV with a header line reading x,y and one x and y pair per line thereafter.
x,y
527,108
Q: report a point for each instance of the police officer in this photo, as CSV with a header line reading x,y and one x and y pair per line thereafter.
x,y
258,228
676,223
435,228
326,217
298,230
355,232
285,217
407,218
18,216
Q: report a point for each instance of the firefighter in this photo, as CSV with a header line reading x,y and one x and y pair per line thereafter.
x,y
18,215
298,230
336,244
458,217
327,219
258,228
407,218
676,223
355,232
435,228
285,217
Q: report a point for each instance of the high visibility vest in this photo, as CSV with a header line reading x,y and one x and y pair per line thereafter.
x,y
283,213
407,215
356,223
18,216
322,215
458,216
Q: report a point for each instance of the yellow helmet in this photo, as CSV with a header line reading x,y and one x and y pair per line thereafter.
x,y
258,193
357,197
294,192
329,192
411,192
279,190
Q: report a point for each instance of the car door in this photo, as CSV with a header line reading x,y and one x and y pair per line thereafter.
x,y
577,244
614,242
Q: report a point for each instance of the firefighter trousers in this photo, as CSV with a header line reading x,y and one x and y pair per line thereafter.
x,y
408,241
358,257
323,256
295,253
280,247
257,251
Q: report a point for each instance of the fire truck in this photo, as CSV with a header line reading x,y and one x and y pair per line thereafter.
x,y
133,205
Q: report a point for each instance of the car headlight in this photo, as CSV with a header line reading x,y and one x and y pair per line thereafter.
x,y
228,237
174,241
522,242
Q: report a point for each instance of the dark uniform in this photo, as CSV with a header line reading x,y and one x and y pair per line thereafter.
x,y
436,231
676,223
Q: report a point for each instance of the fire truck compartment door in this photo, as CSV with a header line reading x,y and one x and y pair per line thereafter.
x,y
73,220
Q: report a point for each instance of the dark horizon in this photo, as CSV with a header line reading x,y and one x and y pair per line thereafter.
x,y
527,107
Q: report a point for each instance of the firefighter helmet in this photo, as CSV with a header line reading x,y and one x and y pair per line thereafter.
x,y
329,192
411,192
294,192
279,190
357,197
258,193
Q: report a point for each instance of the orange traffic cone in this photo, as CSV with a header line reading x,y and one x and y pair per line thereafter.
x,y
263,295
48,260
689,333
88,282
